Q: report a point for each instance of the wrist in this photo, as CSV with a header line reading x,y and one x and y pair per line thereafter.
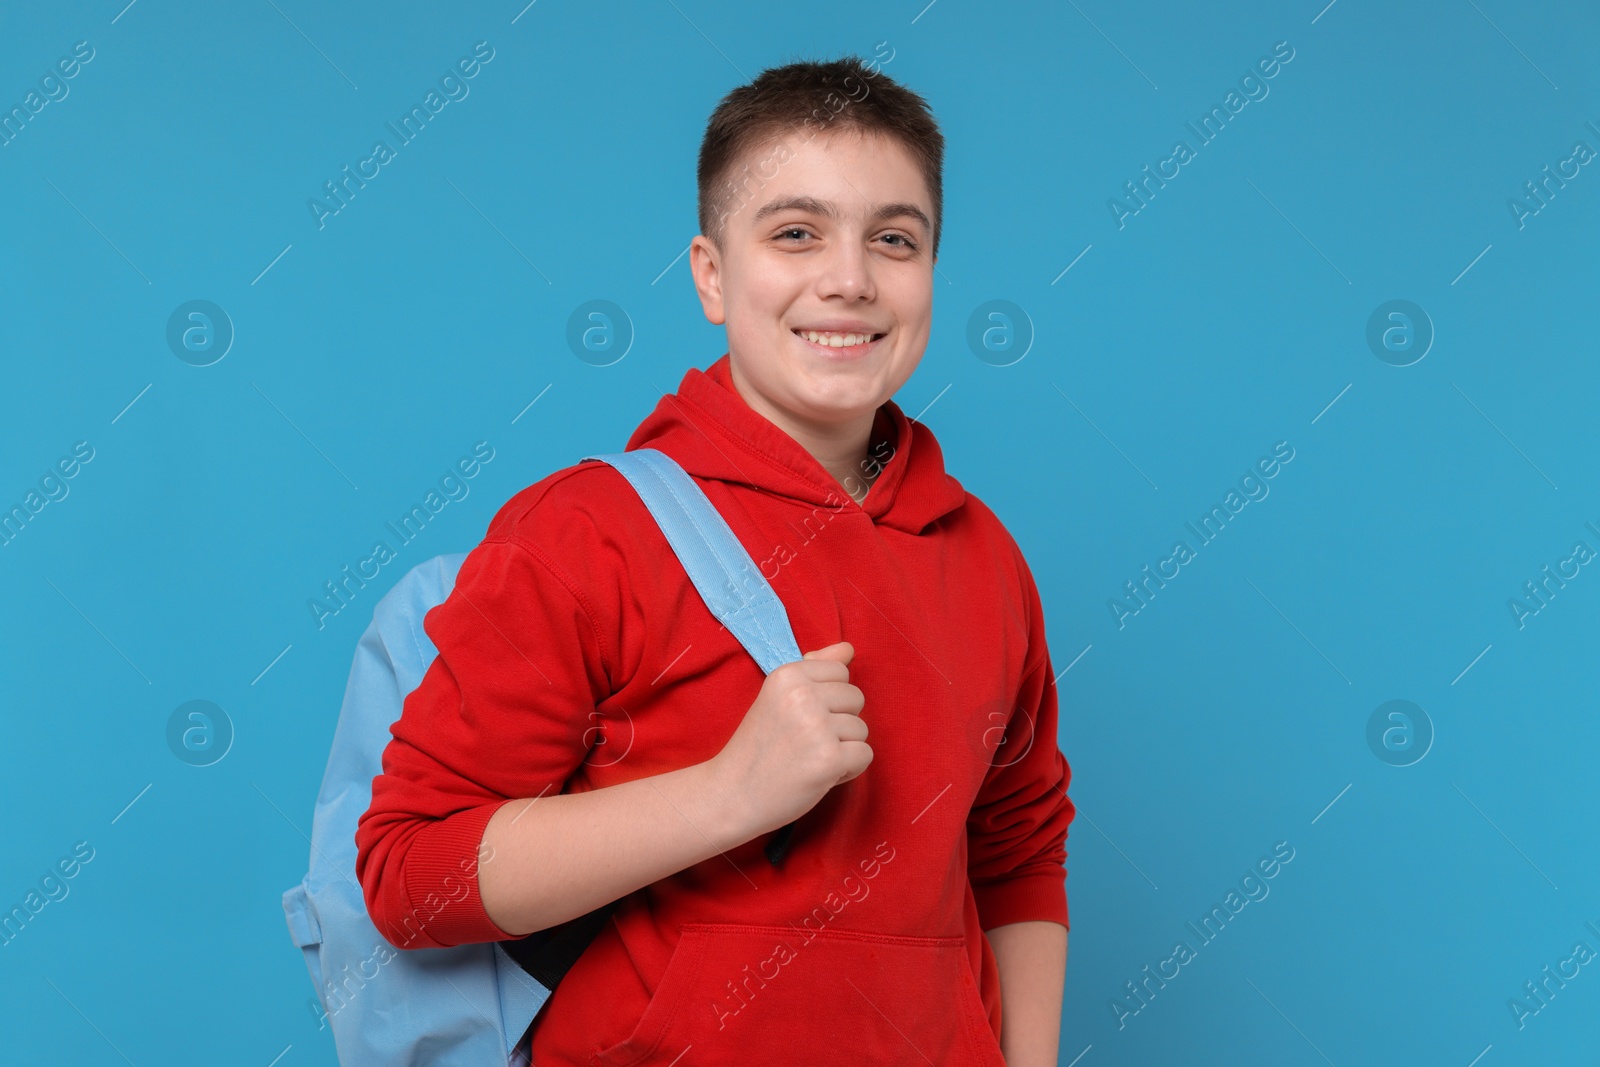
x,y
721,809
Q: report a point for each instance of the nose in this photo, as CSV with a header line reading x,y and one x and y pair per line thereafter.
x,y
846,272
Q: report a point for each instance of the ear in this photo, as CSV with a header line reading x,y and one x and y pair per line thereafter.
x,y
705,264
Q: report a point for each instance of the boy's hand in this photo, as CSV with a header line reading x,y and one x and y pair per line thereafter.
x,y
802,736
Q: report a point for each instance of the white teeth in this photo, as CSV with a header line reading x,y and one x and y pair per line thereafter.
x,y
835,340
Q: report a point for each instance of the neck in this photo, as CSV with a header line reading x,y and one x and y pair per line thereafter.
x,y
841,448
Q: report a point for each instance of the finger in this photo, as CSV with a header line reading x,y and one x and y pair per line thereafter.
x,y
850,728
858,756
842,697
814,671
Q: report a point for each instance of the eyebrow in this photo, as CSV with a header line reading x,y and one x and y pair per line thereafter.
x,y
826,209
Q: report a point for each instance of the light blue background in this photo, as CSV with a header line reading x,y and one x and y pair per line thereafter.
x,y
1224,317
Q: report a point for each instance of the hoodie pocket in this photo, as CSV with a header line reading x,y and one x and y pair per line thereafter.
x,y
733,994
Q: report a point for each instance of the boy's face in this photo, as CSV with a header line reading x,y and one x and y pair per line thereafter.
x,y
824,244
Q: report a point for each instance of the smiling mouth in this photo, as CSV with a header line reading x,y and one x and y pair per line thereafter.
x,y
840,344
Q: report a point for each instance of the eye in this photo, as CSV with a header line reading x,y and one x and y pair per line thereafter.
x,y
905,242
784,233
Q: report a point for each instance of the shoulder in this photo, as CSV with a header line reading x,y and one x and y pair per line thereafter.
x,y
568,507
569,537
578,523
588,525
1002,548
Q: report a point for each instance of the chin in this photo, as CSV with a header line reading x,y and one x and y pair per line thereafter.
x,y
848,400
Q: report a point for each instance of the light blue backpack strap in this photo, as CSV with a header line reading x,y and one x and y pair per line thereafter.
x,y
729,581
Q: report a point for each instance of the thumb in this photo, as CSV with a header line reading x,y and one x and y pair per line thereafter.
x,y
843,651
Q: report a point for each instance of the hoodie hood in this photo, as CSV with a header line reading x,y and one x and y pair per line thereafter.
x,y
711,432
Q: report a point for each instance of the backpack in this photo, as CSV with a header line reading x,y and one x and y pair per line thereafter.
x,y
471,1005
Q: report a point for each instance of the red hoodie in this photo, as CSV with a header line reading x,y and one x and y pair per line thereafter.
x,y
573,622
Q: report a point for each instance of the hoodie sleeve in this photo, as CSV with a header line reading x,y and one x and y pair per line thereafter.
x,y
503,712
1017,830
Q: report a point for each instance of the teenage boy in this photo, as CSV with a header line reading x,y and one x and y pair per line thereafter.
x,y
590,733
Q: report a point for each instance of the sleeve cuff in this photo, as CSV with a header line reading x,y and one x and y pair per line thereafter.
x,y
441,883
1040,896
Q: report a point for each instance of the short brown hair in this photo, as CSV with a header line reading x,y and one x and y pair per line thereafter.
x,y
806,98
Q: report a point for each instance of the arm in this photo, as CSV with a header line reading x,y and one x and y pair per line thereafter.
x,y
1032,957
549,859
1017,829
505,711
1016,836
554,858
469,837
